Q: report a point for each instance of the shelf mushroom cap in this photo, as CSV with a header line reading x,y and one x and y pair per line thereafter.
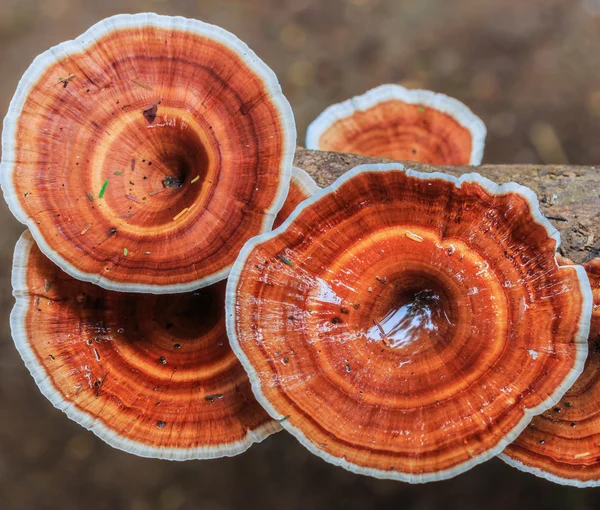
x,y
393,122
302,186
562,444
149,374
388,321
143,154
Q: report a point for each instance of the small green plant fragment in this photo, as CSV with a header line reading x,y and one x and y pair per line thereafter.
x,y
103,189
285,260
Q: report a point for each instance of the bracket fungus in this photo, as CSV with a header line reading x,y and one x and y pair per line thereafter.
x,y
390,320
151,375
563,444
144,153
393,122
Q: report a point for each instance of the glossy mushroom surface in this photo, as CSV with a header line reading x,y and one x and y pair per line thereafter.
x,y
563,444
302,186
143,154
392,122
407,325
153,375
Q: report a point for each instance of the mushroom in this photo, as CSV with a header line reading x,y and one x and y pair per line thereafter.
x,y
153,375
302,186
149,374
143,154
392,122
562,444
391,317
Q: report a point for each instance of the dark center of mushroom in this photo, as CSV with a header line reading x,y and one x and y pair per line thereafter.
x,y
402,304
191,316
177,333
156,170
412,311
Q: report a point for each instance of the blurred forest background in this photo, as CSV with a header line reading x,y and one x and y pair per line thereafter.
x,y
530,69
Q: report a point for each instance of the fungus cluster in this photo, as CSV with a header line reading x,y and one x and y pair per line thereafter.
x,y
167,146
400,324
150,374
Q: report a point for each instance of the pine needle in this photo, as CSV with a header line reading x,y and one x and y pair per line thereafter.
x,y
141,84
180,214
66,80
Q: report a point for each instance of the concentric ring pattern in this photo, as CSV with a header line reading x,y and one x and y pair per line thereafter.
x,y
408,325
143,154
152,375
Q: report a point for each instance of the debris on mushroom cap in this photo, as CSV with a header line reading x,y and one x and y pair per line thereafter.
x,y
403,359
218,132
562,444
302,186
392,122
136,369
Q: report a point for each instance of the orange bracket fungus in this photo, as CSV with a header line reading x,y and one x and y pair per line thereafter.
x,y
152,375
149,374
302,186
143,154
563,444
391,321
390,121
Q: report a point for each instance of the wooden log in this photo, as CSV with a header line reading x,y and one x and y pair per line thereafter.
x,y
569,195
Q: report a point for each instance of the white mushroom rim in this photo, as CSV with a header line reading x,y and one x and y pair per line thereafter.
x,y
573,482
492,188
101,29
441,102
306,183
110,436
